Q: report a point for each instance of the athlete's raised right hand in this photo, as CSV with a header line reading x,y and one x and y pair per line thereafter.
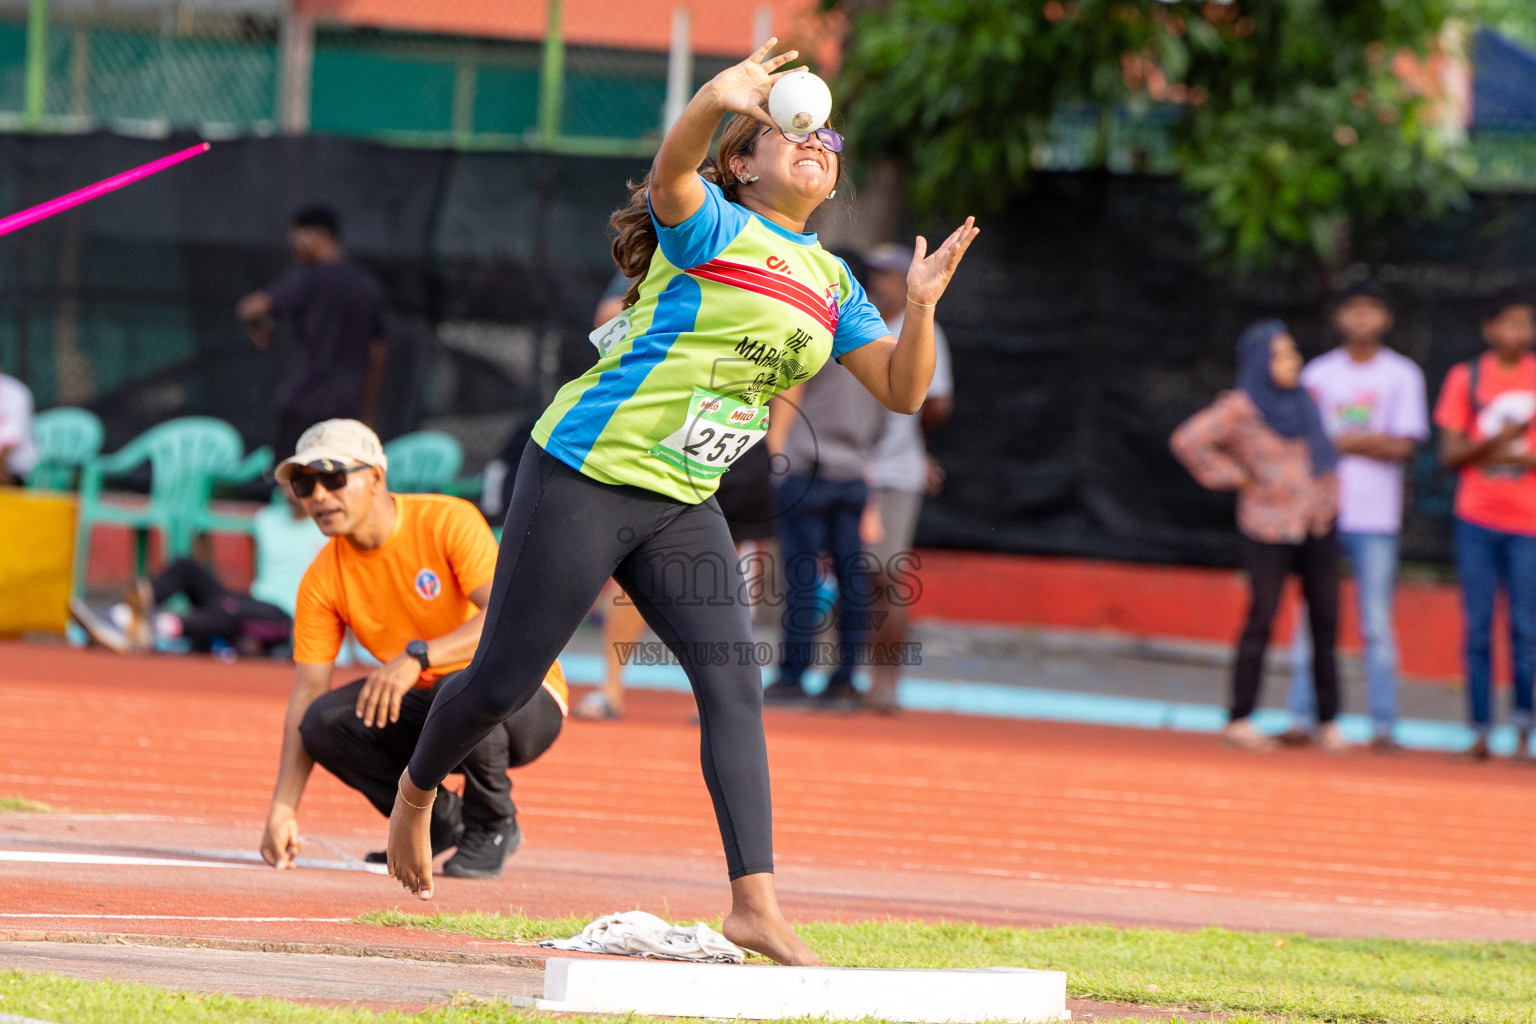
x,y
743,88
280,840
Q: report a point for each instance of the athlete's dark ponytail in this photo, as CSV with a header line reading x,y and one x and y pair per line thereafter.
x,y
634,236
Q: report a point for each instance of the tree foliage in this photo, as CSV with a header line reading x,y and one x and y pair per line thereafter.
x,y
1291,122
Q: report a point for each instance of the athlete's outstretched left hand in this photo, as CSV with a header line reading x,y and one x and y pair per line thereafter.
x,y
929,274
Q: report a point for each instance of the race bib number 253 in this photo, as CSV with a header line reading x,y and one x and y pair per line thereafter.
x,y
718,431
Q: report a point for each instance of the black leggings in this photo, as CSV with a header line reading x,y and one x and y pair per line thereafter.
x,y
565,534
1316,561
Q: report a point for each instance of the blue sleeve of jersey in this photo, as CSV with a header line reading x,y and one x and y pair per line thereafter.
x,y
704,235
858,321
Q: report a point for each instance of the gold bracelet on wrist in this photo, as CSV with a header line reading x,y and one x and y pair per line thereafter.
x,y
916,302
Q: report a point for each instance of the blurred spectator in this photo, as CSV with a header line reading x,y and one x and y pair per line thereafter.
x,y
824,431
218,618
1373,406
1265,440
611,303
18,451
900,474
334,311
1485,414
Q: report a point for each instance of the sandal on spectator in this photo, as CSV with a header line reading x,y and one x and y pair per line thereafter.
x,y
594,707
1478,751
1330,740
1242,735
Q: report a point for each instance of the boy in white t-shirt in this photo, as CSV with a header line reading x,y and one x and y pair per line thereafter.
x,y
1374,407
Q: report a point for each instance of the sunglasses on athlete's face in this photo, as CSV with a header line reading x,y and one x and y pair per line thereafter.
x,y
829,139
303,484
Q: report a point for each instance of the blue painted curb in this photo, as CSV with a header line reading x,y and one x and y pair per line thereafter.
x,y
995,700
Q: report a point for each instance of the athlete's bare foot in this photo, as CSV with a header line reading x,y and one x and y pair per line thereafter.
x,y
755,923
410,837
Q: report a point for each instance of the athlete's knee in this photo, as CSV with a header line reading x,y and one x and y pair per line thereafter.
x,y
494,699
733,700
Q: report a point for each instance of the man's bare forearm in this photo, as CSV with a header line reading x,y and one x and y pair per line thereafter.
x,y
459,643
1382,447
295,764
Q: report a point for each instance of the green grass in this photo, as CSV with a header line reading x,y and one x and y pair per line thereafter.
x,y
1373,981
1267,978
21,805
70,1001
513,927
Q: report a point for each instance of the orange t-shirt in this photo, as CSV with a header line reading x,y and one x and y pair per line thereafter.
x,y
416,585
1499,498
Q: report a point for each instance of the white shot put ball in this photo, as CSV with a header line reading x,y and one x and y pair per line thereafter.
x,y
799,102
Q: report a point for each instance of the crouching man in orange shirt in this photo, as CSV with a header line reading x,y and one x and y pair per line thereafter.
x,y
411,575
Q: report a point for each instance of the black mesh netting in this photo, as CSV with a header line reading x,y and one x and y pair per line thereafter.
x,y
1083,326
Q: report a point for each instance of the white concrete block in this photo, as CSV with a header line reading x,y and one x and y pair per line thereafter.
x,y
750,992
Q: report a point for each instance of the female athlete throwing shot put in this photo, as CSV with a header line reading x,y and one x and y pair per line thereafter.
x,y
734,302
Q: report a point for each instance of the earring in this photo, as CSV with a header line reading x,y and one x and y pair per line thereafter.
x,y
832,194
751,179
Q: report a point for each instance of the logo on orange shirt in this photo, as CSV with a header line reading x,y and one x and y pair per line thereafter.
x,y
428,586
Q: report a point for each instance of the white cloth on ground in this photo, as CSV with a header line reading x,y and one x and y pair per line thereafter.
x,y
636,933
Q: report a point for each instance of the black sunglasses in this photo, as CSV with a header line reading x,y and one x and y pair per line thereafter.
x,y
303,484
830,140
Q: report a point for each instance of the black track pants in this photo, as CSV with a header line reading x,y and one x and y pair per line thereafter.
x,y
565,535
215,611
370,759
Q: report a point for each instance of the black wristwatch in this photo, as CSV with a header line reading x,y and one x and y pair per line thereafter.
x,y
418,650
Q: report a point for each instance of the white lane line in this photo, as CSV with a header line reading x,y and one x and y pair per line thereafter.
x,y
47,857
195,859
11,1018
178,917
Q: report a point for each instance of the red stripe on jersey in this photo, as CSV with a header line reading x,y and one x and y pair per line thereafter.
x,y
778,281
762,282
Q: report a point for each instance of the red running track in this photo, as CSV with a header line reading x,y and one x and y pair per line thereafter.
x,y
925,816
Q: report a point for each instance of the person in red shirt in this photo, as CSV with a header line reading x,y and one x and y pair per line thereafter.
x,y
1485,414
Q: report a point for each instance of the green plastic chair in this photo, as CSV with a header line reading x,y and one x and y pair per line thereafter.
x,y
426,462
252,466
187,458
66,438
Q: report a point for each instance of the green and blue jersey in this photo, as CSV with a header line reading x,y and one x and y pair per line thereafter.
x,y
733,305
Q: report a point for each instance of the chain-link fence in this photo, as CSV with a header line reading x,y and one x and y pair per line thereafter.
x,y
578,75
142,67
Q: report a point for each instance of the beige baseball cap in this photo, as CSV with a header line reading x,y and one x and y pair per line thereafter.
x,y
333,445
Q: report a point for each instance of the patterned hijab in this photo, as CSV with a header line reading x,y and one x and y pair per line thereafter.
x,y
1290,412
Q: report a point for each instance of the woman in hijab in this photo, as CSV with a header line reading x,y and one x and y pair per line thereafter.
x,y
1265,440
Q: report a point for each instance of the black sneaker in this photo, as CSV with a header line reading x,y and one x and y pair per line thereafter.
x,y
99,628
782,692
482,854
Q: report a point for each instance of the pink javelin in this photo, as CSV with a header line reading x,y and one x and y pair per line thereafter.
x,y
43,211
